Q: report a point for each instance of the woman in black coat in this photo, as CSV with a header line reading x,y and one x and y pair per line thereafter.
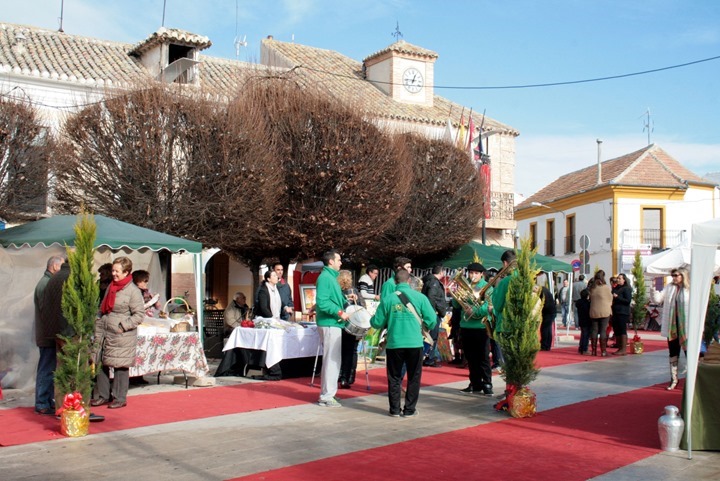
x,y
622,297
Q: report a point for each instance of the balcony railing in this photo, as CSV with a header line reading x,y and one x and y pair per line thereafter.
x,y
570,244
657,238
550,247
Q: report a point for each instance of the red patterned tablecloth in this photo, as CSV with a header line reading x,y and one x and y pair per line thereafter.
x,y
177,351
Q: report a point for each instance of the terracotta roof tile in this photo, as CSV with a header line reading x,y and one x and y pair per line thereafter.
x,y
50,54
343,78
647,167
401,46
35,52
174,35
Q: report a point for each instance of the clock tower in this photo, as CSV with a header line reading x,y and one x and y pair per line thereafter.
x,y
404,72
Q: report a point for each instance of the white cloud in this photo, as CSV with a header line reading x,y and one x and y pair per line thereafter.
x,y
541,160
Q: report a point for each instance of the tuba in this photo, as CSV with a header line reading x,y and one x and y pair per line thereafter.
x,y
463,293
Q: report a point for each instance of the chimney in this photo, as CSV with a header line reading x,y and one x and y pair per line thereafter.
x,y
599,167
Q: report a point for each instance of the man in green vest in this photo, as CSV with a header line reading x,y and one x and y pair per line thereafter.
x,y
474,335
331,319
403,313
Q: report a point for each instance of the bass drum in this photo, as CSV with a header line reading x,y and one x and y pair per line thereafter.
x,y
359,323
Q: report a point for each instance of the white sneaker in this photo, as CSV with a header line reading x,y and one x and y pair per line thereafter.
x,y
332,403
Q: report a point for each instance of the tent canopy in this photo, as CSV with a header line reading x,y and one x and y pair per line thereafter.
x,y
112,233
662,263
705,243
490,258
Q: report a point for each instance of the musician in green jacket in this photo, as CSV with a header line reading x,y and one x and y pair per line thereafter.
x,y
330,319
404,340
474,335
499,296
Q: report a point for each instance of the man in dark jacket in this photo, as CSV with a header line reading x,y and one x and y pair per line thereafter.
x,y
549,311
44,384
435,292
286,309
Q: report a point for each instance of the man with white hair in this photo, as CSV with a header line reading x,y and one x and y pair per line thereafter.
x,y
44,383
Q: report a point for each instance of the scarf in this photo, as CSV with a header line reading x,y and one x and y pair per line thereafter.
x,y
677,319
275,302
109,302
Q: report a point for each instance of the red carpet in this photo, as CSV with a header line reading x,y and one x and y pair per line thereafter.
x,y
575,442
22,425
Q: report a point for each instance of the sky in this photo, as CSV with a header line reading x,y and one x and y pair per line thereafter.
x,y
484,44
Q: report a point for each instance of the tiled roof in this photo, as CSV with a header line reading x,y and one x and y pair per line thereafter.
x,y
343,78
401,46
54,55
647,167
49,54
173,35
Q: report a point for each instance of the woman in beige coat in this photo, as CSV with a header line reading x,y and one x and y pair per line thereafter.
x,y
600,310
122,310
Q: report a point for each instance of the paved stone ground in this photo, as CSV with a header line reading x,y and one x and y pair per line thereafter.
x,y
234,445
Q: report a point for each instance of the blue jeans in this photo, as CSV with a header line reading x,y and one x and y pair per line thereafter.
x,y
565,311
44,380
584,339
432,351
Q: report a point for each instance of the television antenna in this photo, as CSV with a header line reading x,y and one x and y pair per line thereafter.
x,y
648,125
239,44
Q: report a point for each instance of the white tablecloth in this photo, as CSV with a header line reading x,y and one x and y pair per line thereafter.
x,y
278,344
176,351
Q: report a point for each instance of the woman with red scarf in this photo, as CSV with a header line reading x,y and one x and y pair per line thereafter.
x,y
122,310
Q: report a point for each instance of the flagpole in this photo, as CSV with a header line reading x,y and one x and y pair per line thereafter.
x,y
457,135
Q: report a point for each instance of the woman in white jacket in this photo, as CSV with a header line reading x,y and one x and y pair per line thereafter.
x,y
675,299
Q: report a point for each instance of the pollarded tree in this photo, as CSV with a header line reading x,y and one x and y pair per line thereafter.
x,y
158,159
445,202
25,150
345,181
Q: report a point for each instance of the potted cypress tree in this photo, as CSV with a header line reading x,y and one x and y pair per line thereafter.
x,y
639,310
74,376
519,339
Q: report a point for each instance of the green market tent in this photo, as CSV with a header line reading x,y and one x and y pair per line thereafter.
x,y
111,233
490,258
24,251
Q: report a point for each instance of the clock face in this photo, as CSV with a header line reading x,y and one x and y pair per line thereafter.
x,y
412,80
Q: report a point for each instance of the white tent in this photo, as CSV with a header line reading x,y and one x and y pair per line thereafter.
x,y
705,243
662,263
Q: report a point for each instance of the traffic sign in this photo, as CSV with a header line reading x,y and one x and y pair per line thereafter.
x,y
584,242
576,264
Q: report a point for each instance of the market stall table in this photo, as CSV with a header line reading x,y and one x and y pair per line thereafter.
x,y
175,351
294,349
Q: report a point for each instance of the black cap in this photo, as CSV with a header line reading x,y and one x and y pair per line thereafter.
x,y
476,267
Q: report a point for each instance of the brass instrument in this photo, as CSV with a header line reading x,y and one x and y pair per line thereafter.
x,y
463,293
415,283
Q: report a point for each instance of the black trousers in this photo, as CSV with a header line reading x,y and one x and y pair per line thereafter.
x,y
546,333
411,357
619,324
348,362
476,346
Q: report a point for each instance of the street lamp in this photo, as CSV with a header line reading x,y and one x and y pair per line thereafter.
x,y
538,204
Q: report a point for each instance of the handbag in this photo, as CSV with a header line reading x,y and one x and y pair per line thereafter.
x,y
427,339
